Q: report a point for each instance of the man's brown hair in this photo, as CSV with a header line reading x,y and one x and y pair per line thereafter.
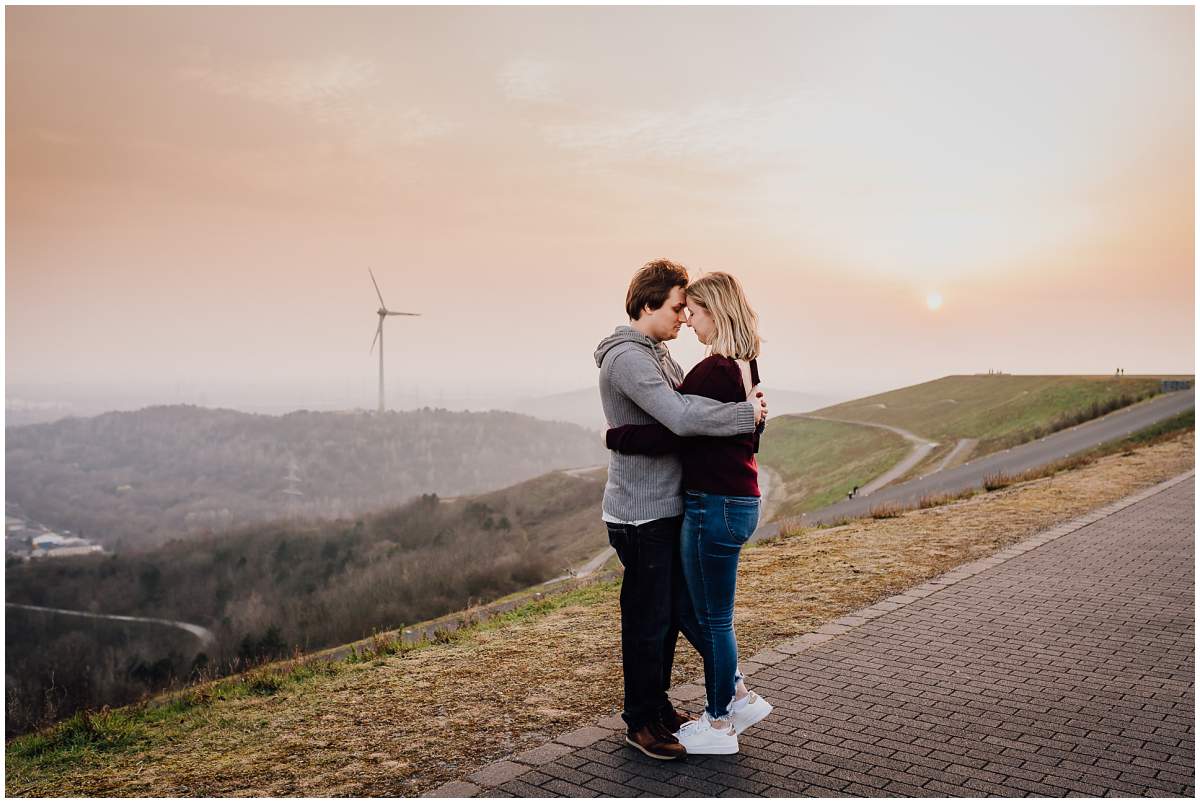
x,y
652,284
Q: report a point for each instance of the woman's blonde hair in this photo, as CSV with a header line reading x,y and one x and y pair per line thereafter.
x,y
736,323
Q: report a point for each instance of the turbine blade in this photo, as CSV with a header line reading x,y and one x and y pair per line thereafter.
x,y
378,332
413,314
376,288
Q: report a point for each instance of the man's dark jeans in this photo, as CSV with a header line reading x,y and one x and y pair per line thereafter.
x,y
655,607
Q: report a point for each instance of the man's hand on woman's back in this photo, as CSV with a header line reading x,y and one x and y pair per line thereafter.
x,y
760,407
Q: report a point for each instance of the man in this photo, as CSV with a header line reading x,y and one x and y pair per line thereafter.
x,y
643,500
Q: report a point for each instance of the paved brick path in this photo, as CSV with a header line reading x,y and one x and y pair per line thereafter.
x,y
1063,665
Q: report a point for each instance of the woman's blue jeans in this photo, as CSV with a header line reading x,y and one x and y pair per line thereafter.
x,y
714,529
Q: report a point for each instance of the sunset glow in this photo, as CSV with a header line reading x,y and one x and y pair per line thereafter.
x,y
505,170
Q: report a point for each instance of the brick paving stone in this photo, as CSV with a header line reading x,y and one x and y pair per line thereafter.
x,y
543,754
686,693
767,658
610,788
571,760
567,789
534,777
605,772
693,787
522,789
613,723
453,789
1060,667
907,790
497,773
657,788
564,773
584,737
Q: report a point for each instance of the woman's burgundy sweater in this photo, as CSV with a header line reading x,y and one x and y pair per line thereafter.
x,y
723,466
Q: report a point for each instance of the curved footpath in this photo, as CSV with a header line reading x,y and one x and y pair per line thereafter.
x,y
919,451
1062,665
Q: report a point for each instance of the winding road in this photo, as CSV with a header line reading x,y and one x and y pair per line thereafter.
x,y
204,634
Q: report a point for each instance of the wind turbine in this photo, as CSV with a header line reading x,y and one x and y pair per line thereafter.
x,y
382,312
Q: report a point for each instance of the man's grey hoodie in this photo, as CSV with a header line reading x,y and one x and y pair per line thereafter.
x,y
638,378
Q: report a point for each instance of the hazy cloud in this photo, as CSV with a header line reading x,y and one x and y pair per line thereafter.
x,y
734,133
528,79
307,83
336,90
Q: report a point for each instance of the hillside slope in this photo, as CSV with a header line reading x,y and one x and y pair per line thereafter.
x,y
266,590
822,460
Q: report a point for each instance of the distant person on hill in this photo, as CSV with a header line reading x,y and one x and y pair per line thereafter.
x,y
721,503
643,500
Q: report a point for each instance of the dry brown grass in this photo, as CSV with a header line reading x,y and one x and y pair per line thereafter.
x,y
938,499
405,723
887,510
998,480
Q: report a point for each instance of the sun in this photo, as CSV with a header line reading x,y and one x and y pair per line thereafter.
x,y
933,300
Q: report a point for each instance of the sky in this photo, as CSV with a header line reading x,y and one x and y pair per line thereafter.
x,y
194,195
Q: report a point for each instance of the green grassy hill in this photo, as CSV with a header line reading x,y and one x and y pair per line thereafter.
x,y
820,461
995,409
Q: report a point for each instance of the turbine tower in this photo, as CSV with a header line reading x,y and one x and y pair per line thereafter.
x,y
382,312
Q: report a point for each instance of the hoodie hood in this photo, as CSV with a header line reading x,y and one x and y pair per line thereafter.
x,y
627,336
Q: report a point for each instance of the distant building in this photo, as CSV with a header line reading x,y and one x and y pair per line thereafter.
x,y
48,540
1169,385
67,551
53,545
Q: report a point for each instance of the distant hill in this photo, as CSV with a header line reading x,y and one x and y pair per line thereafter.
x,y
135,479
582,406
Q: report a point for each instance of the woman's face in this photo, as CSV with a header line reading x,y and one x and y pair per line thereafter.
x,y
700,319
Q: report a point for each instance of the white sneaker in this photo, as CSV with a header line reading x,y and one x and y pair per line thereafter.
x,y
702,739
749,710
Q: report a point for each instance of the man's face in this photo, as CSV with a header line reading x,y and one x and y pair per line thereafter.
x,y
664,322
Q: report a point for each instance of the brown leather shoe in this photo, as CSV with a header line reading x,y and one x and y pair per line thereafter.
x,y
676,720
653,742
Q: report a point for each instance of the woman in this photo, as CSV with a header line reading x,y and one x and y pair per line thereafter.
x,y
721,504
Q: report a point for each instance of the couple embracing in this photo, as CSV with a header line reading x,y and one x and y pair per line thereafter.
x,y
681,500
